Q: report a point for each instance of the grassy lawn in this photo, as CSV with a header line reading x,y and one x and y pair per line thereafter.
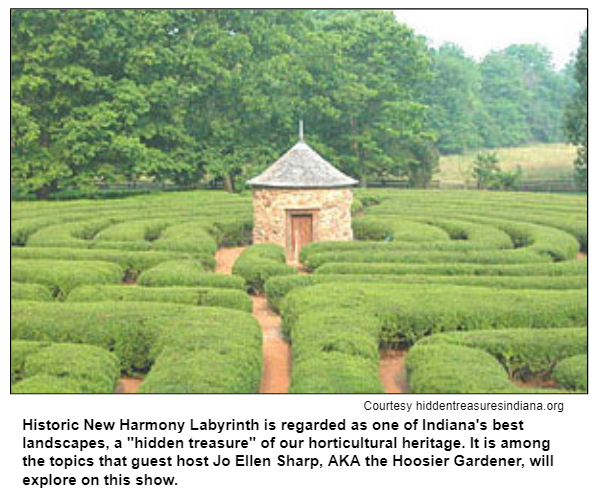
x,y
541,162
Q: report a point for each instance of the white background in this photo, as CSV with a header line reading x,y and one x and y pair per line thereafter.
x,y
572,433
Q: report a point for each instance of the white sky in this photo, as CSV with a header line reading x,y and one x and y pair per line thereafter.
x,y
478,31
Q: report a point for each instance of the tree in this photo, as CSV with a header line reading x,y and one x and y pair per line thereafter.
x,y
455,100
576,121
547,91
503,122
93,98
489,175
373,77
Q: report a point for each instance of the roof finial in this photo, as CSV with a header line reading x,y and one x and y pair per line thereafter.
x,y
301,131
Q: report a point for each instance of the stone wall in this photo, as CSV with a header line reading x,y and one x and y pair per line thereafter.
x,y
331,210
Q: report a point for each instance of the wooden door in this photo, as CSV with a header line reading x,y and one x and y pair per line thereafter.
x,y
301,233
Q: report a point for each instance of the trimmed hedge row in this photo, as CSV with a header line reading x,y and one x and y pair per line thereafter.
x,y
63,276
74,234
136,261
221,354
572,373
228,342
408,313
565,268
396,228
260,262
452,369
232,233
197,296
186,273
335,352
522,352
512,257
278,287
29,292
145,229
62,368
190,237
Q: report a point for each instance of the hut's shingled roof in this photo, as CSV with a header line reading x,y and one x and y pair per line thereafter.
x,y
302,167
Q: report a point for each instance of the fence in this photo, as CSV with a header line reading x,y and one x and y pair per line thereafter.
x,y
553,186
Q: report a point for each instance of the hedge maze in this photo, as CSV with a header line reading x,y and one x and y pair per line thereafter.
x,y
487,291
126,287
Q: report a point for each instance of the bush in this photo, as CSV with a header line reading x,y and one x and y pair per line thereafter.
x,y
408,313
222,353
232,233
63,276
197,296
567,268
572,373
132,261
19,352
189,237
260,262
524,353
87,368
139,334
278,287
29,292
367,229
423,257
47,384
436,369
335,373
186,274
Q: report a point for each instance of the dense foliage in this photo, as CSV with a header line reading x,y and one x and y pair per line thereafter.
x,y
183,96
577,112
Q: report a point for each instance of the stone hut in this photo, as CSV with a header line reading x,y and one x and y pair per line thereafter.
x,y
300,199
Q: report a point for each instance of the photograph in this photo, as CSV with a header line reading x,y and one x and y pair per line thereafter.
x,y
299,201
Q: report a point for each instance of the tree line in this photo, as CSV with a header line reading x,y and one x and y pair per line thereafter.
x,y
186,96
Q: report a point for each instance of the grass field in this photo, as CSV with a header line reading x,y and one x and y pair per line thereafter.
x,y
486,290
543,162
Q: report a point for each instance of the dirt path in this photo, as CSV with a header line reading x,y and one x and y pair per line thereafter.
x,y
581,255
276,351
128,385
392,371
226,257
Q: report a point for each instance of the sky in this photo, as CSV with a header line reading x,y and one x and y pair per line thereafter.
x,y
479,32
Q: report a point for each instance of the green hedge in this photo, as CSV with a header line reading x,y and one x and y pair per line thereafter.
x,y
524,353
135,261
47,384
427,257
220,353
63,276
335,351
141,333
42,367
189,237
278,287
367,229
198,296
452,369
572,373
29,292
186,274
409,312
260,262
335,373
232,233
564,268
